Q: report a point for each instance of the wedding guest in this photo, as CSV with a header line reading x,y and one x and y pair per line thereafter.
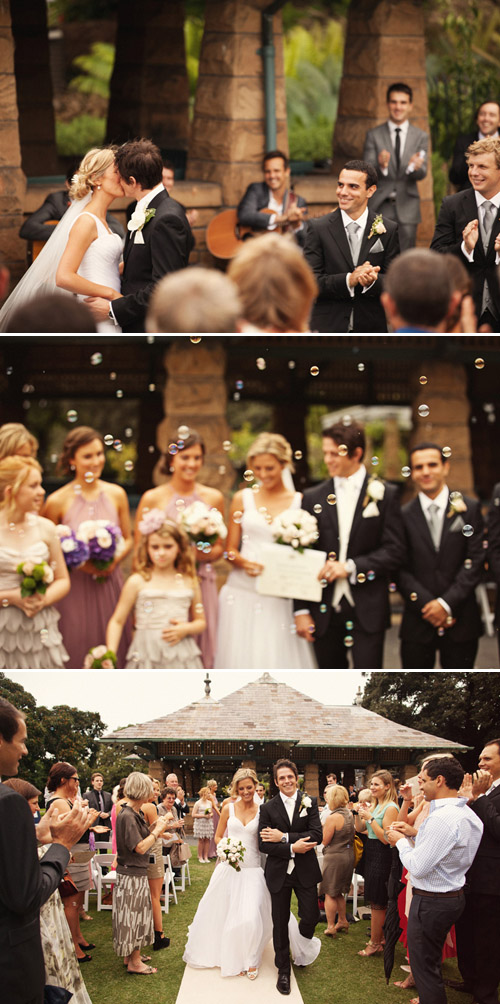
x,y
194,299
42,222
165,595
17,441
51,313
179,492
171,844
275,285
86,612
374,821
212,786
271,204
29,633
181,806
338,859
487,119
62,784
256,630
203,823
99,799
156,868
61,969
493,553
133,926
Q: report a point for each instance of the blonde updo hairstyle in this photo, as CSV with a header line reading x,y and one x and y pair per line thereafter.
x,y
14,471
204,793
336,796
13,437
242,775
276,445
92,167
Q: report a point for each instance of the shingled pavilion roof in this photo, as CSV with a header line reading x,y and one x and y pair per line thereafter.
x,y
267,711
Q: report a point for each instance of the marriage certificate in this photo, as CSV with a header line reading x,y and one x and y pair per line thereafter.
x,y
290,574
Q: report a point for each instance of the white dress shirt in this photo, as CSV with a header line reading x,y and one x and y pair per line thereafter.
x,y
444,848
347,491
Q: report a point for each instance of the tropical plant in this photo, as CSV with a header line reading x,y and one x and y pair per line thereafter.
x,y
313,68
97,66
74,138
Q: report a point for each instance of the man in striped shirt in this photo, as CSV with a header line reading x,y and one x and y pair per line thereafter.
x,y
437,861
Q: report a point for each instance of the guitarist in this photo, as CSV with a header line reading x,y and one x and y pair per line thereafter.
x,y
270,204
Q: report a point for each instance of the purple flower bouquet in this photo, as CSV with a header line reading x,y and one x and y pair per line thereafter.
x,y
76,552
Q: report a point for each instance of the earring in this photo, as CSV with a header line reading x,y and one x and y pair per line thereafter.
x,y
98,188
72,467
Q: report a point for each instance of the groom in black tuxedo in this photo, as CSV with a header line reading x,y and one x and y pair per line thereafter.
x,y
289,830
159,239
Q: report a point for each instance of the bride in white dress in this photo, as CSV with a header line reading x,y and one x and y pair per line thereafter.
x,y
254,631
233,924
82,255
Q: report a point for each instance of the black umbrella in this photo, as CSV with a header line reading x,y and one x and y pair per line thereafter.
x,y
392,927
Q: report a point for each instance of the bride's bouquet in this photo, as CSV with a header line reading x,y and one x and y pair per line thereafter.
x,y
104,541
35,577
296,528
203,526
76,552
231,852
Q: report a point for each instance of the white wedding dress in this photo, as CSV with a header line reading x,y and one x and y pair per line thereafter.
x,y
254,631
100,263
233,924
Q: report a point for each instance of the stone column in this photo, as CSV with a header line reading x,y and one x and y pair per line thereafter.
x,y
228,135
12,180
250,764
195,395
447,421
311,779
34,87
149,87
156,771
384,43
392,466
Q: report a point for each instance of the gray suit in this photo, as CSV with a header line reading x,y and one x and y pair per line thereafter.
x,y
404,207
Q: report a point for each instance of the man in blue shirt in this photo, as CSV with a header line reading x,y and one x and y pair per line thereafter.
x,y
437,861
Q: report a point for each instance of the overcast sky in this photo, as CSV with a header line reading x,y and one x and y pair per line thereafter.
x,y
129,697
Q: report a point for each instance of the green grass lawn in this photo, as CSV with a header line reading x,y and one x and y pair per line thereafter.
x,y
337,977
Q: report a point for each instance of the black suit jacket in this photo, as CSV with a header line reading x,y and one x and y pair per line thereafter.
x,y
429,573
53,208
256,198
25,884
168,242
493,552
376,545
307,871
459,171
484,873
328,252
93,800
456,211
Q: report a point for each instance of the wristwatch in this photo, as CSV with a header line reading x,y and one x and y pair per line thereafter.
x,y
283,839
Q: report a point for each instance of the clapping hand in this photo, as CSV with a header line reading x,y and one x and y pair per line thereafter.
x,y
384,158
470,235
404,828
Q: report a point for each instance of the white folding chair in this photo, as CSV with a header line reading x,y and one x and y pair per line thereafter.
x,y
168,884
103,880
181,879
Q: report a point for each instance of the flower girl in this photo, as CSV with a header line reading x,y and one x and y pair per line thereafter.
x,y
167,599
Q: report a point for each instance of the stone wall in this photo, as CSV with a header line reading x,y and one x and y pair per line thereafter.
x,y
12,180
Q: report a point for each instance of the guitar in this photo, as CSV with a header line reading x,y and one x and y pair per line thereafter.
x,y
224,234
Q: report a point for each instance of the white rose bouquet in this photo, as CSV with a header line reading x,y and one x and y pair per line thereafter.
x,y
203,526
35,577
231,852
295,527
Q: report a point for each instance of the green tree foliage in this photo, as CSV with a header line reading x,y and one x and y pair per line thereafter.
x,y
313,68
112,761
463,707
97,66
74,138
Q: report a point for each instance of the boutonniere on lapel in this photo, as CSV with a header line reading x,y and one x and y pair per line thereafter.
x,y
138,221
377,227
375,491
457,505
305,805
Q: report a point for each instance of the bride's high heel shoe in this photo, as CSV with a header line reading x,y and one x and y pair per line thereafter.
x,y
252,973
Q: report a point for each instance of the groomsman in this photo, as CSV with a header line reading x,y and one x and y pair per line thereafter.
x,y
443,565
360,528
493,552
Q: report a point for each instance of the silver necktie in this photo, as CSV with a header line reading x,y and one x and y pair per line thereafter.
x,y
435,525
353,236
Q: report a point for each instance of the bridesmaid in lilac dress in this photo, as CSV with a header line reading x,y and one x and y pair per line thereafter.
x,y
87,609
177,494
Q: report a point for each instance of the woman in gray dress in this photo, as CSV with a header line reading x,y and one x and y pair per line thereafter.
x,y
338,858
133,926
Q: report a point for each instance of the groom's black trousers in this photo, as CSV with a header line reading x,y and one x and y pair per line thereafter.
x,y
308,913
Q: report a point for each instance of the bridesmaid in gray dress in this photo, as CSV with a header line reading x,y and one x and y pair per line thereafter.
x,y
338,858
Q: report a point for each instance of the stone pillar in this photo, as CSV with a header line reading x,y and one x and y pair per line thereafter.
x,y
195,395
392,465
250,764
384,43
34,87
12,180
149,87
228,135
447,421
156,771
311,779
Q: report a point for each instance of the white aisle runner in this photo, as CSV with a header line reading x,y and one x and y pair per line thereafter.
x,y
208,986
